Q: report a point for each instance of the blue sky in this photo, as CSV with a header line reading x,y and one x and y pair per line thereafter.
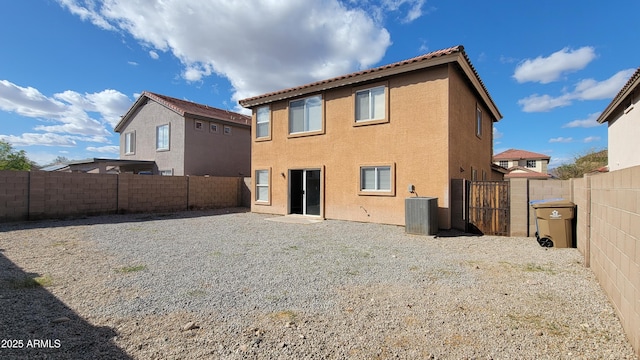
x,y
70,68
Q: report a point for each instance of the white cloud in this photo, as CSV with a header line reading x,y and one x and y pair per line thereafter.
x,y
132,63
587,89
65,116
497,134
111,149
154,55
541,103
259,46
590,121
590,89
561,140
548,69
29,139
591,139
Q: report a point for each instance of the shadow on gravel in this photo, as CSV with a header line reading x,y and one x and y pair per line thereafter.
x,y
34,324
117,218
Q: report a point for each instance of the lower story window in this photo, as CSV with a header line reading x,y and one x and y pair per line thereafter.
x,y
375,178
166,172
262,185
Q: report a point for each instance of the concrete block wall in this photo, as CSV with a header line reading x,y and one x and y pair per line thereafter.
x,y
68,194
222,191
547,190
614,238
39,195
156,193
14,195
519,206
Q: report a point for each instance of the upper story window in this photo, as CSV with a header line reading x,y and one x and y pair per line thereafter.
x,y
504,163
227,130
162,137
199,125
478,122
305,115
130,143
370,104
213,128
263,122
531,163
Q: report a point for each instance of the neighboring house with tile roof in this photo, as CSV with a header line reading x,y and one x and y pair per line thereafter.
x,y
523,164
623,125
352,146
185,138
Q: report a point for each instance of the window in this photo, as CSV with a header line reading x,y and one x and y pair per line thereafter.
x,y
375,178
474,174
504,163
370,104
227,130
262,186
199,125
130,143
478,122
305,115
162,137
531,163
166,172
213,128
263,120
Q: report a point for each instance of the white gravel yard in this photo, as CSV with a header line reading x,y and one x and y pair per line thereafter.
x,y
227,284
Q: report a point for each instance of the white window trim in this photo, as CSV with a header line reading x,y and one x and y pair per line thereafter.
x,y
267,121
379,192
267,186
308,132
384,118
478,122
168,146
131,148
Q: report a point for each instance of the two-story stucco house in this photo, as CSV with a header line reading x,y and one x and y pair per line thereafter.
x,y
352,146
623,120
523,164
185,138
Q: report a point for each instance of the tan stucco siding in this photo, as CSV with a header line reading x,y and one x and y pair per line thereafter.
x,y
623,134
414,140
468,151
144,123
217,153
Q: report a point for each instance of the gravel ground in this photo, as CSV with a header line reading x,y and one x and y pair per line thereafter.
x,y
228,284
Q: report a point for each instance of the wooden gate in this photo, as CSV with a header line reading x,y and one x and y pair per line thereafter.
x,y
489,207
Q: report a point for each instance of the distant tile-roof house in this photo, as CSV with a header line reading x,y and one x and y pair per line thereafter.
x,y
351,147
623,120
523,164
185,138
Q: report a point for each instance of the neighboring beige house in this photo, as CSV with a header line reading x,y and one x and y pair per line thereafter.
x,y
623,121
352,147
185,138
523,164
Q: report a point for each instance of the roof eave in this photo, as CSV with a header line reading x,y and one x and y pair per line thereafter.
x,y
626,90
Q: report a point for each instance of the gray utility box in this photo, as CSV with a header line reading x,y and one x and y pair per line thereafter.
x,y
421,215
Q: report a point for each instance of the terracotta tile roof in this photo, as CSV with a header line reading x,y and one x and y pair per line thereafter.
x,y
527,173
183,107
187,107
631,84
338,81
513,154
